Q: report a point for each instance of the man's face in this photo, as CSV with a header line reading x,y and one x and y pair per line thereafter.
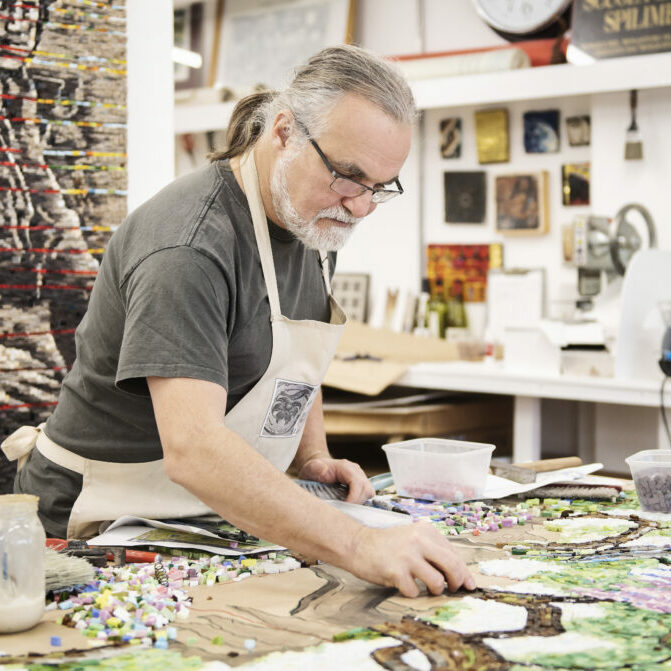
x,y
361,142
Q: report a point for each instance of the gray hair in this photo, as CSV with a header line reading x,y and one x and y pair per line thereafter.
x,y
317,86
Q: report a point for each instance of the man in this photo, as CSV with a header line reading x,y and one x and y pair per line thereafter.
x,y
213,295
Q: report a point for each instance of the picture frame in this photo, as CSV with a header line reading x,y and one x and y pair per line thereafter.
x,y
522,203
465,196
450,137
541,131
464,264
189,24
351,291
578,130
261,41
576,183
492,135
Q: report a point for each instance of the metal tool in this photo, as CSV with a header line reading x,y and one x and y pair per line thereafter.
x,y
339,491
526,472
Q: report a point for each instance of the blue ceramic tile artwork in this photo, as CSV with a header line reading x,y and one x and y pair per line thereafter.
x,y
541,132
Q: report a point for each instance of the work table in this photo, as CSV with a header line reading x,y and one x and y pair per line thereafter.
x,y
308,606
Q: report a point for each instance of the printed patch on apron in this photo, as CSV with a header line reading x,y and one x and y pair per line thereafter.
x,y
288,409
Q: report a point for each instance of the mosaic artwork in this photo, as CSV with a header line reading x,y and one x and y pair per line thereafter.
x,y
62,187
562,584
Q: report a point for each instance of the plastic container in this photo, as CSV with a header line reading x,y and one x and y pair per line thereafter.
x,y
651,472
438,469
22,552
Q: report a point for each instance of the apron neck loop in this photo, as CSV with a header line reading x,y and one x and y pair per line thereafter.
x,y
250,181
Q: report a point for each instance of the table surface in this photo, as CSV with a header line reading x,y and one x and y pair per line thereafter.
x,y
495,378
307,607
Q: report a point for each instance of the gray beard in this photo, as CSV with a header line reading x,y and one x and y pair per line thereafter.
x,y
314,234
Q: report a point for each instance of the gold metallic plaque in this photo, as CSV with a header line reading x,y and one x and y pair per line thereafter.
x,y
491,131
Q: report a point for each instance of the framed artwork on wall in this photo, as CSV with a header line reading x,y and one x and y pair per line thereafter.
x,y
522,203
450,137
465,196
491,135
188,28
578,130
262,41
351,291
541,131
575,183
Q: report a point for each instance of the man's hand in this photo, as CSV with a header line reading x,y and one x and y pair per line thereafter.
x,y
329,471
398,556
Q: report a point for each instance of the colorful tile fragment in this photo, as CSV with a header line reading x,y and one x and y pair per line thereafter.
x,y
138,603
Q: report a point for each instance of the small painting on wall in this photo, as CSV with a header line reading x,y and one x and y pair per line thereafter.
x,y
522,203
491,134
450,137
541,131
351,291
578,130
465,197
575,183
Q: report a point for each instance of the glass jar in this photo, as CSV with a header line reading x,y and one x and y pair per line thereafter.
x,y
22,551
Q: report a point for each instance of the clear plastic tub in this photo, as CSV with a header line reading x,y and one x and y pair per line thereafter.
x,y
438,469
651,471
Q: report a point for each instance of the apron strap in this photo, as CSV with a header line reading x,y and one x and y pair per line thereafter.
x,y
324,263
250,181
18,446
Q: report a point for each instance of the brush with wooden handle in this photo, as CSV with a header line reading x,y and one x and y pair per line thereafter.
x,y
526,472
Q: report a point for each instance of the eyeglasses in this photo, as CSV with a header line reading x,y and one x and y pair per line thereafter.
x,y
350,188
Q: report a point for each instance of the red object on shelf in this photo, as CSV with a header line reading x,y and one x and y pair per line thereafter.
x,y
540,52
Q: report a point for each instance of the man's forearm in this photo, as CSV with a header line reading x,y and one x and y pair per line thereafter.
x,y
252,494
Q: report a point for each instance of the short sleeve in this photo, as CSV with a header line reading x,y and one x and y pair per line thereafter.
x,y
177,315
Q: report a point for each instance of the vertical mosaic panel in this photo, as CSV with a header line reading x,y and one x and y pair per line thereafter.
x,y
62,187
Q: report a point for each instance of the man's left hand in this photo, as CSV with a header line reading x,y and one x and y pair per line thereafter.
x,y
329,471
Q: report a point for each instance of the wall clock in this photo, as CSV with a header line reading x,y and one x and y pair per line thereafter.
x,y
518,19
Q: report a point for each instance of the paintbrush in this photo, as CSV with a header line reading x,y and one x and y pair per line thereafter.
x,y
633,148
62,570
525,473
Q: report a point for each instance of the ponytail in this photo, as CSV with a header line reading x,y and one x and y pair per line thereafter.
x,y
245,126
316,88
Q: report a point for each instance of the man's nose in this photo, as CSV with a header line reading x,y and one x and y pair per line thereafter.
x,y
360,206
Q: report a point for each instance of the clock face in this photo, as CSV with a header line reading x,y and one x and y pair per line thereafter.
x,y
520,17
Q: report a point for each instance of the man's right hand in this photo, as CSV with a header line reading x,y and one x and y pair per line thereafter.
x,y
396,557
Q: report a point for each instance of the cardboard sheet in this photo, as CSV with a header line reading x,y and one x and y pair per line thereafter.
x,y
370,359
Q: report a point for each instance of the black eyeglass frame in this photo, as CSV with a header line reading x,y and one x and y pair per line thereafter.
x,y
379,195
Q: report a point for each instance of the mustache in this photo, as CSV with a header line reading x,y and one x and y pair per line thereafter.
x,y
339,214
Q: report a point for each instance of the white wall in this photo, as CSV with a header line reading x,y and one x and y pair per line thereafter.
x,y
150,98
394,27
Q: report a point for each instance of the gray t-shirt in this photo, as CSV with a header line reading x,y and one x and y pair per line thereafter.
x,y
180,293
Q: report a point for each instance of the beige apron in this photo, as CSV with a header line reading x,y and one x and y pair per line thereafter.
x,y
270,417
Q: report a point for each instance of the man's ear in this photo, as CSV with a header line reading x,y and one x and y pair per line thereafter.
x,y
283,126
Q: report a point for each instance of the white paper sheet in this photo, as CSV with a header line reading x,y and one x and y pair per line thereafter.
x,y
128,530
498,488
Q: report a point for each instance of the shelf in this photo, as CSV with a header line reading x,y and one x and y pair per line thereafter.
x,y
199,118
552,81
496,379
